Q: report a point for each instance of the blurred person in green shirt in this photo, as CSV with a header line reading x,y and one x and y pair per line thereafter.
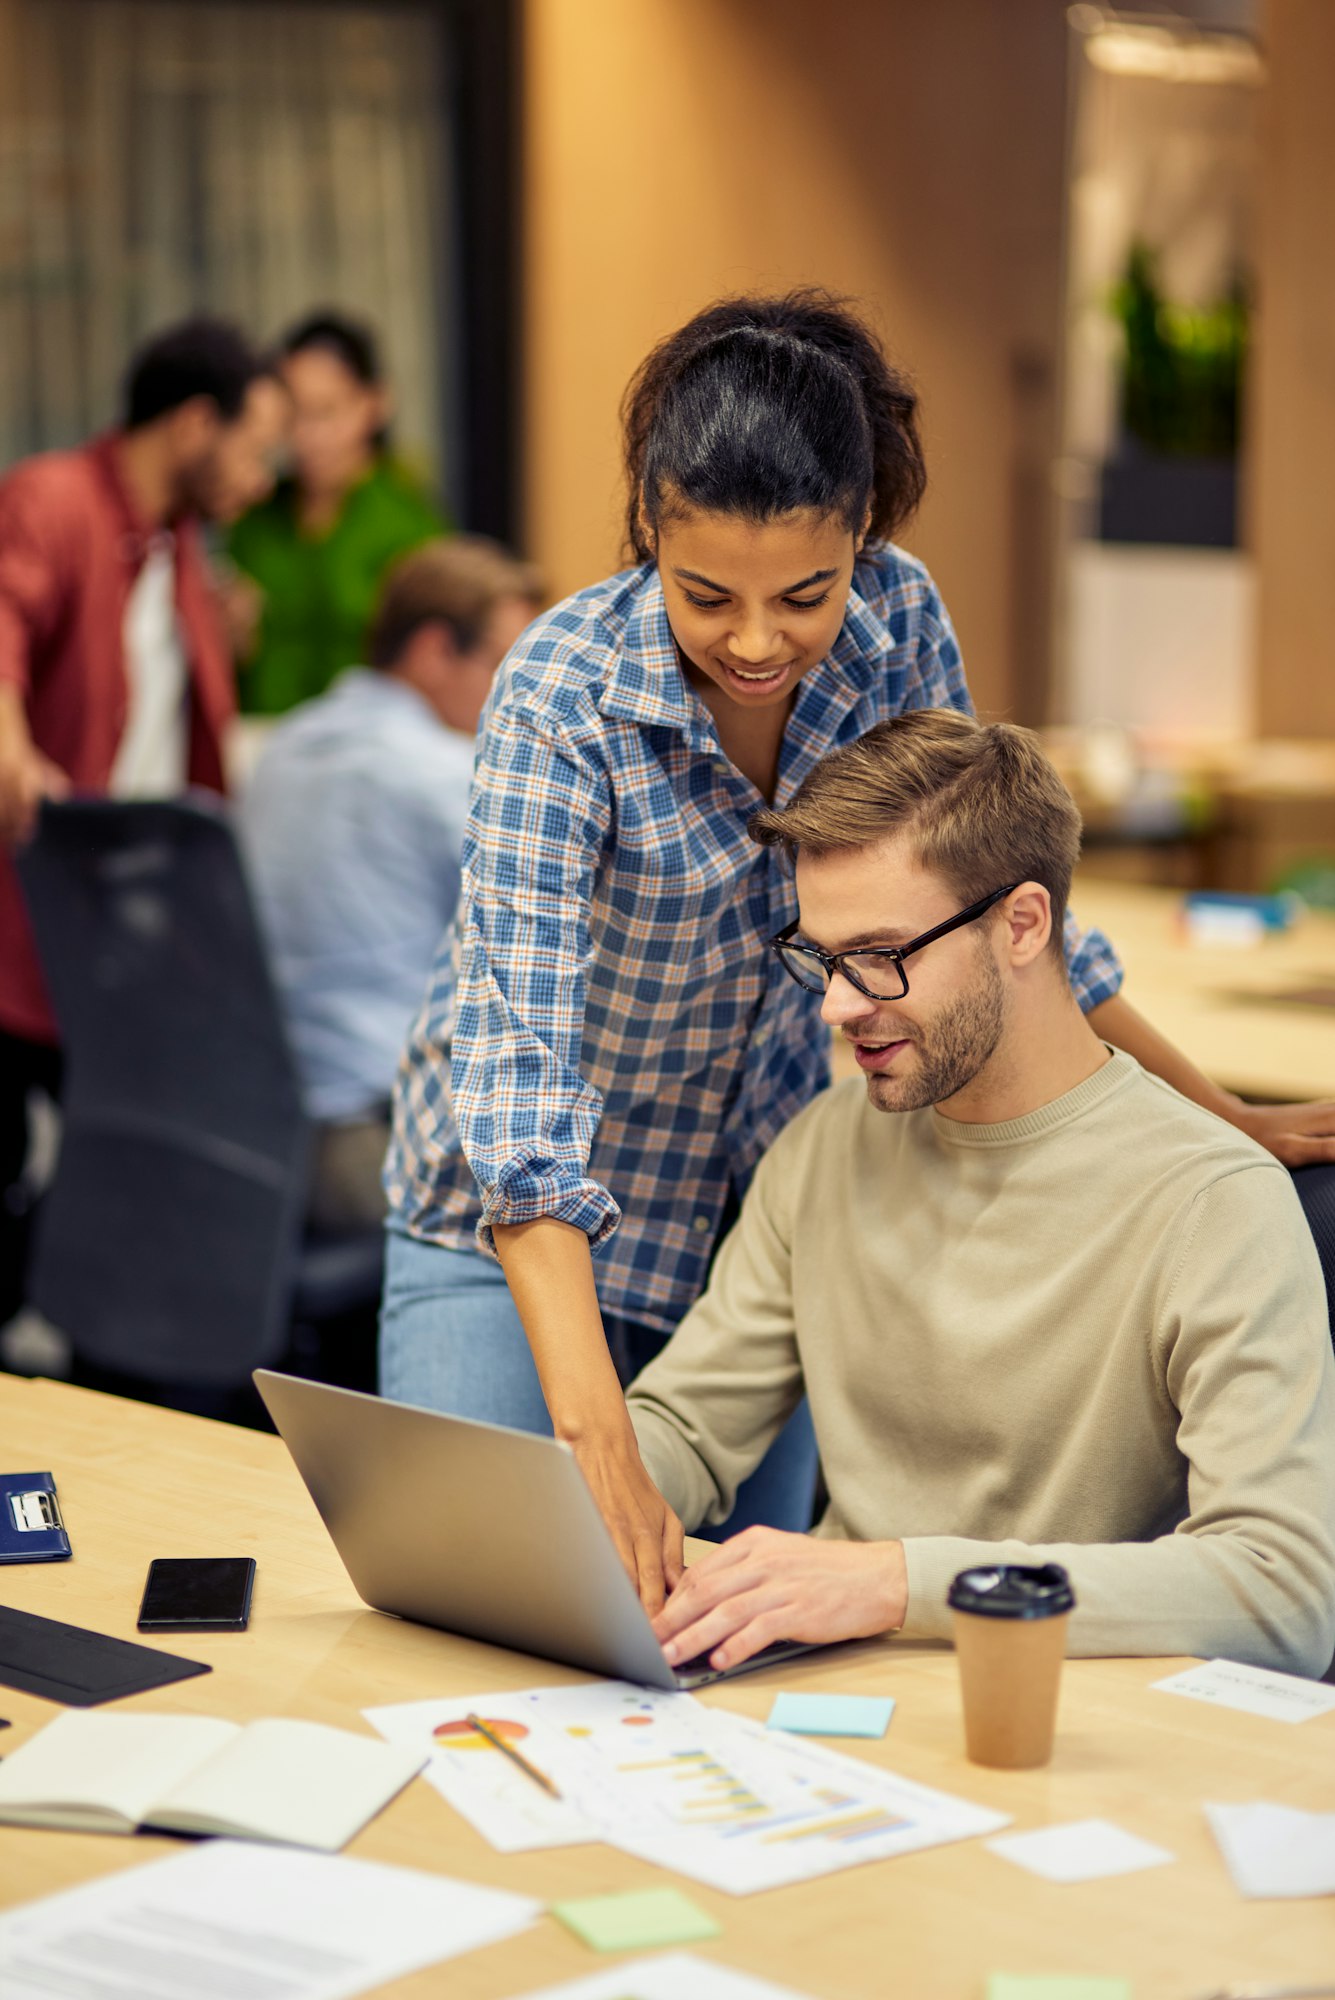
x,y
309,561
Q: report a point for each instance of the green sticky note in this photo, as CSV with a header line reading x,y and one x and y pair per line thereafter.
x,y
1009,1986
635,1921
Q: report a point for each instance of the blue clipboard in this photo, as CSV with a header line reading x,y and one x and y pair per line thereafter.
x,y
31,1529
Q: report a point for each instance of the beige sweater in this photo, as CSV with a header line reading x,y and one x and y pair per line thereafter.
x,y
1095,1334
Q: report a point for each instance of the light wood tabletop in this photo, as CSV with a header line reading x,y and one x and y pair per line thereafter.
x,y
137,1482
1222,1005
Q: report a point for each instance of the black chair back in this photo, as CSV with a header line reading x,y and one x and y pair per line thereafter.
x,y
167,1246
1316,1192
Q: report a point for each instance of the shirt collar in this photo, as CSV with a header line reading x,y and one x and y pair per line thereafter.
x,y
646,683
139,534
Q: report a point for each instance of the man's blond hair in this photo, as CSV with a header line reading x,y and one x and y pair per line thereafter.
x,y
456,580
980,802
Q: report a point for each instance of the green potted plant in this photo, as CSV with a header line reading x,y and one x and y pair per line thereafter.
x,y
1173,476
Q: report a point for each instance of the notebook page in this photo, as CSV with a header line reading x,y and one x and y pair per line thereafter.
x,y
104,1771
300,1783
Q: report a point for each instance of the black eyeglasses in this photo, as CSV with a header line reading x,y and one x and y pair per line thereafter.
x,y
880,970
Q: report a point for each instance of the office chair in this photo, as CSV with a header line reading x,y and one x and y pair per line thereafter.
x,y
169,1247
1316,1192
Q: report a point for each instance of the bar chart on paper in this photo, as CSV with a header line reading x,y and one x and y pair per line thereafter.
x,y
727,1802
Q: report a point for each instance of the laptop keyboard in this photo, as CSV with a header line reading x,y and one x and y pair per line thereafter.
x,y
694,1672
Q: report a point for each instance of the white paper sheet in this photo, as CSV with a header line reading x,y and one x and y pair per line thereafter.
x,y
670,1977
1254,1690
725,1801
237,1922
1080,1851
506,1807
1276,1850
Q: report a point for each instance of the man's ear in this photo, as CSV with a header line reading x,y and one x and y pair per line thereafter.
x,y
194,426
1027,912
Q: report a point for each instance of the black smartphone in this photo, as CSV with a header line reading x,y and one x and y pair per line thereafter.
x,y
197,1594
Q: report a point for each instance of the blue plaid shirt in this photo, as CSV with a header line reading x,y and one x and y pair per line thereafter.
x,y
605,1039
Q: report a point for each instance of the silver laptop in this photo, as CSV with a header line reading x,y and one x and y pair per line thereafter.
x,y
487,1532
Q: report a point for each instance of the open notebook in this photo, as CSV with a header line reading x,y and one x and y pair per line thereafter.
x,y
300,1783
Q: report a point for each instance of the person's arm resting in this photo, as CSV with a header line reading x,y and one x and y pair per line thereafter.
x,y
1244,1345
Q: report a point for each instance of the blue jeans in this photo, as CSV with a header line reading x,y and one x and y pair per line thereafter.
x,y
451,1339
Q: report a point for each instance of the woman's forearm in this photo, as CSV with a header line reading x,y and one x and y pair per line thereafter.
x,y
1300,1135
549,1269
1117,1021
550,1273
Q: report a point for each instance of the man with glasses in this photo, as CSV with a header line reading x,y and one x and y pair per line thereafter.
x,y
1050,1311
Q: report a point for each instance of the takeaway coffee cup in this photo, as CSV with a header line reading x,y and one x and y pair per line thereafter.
x,y
1010,1639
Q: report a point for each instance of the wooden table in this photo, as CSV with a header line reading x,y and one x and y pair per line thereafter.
x,y
1217,1003
138,1482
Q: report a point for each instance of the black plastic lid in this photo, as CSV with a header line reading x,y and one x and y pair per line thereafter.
x,y
1013,1590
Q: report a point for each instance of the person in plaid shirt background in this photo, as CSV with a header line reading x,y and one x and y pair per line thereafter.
x,y
606,1048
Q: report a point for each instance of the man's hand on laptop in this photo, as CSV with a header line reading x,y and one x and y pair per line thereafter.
x,y
763,1586
645,1529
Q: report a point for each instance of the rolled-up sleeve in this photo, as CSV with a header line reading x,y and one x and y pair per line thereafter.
x,y
537,825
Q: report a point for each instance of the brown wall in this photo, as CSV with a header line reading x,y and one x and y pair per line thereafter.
x,y
907,151
1293,456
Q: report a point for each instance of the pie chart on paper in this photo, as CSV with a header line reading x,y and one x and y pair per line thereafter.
x,y
463,1736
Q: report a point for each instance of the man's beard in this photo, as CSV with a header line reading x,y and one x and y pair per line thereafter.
x,y
959,1042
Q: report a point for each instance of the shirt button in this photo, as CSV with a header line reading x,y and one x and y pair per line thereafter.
x,y
701,1223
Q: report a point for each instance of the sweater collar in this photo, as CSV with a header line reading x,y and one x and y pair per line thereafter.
x,y
1087,1096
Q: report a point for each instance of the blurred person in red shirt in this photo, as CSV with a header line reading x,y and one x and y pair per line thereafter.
x,y
115,676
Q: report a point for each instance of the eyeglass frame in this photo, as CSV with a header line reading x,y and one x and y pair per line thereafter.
x,y
837,961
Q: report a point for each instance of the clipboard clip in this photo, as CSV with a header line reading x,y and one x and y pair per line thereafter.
x,y
35,1513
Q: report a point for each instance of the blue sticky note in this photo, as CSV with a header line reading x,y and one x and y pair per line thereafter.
x,y
832,1714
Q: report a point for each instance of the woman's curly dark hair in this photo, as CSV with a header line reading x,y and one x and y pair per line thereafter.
x,y
761,405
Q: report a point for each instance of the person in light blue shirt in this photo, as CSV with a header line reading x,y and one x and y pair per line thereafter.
x,y
352,828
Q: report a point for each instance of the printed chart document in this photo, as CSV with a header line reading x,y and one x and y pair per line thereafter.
x,y
668,1977
724,1800
1254,1690
227,1921
296,1782
506,1807
1276,1850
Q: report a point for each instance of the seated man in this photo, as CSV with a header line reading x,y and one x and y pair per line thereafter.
x,y
352,828
1045,1309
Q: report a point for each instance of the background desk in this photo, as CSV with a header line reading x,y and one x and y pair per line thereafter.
x,y
138,1482
1216,1002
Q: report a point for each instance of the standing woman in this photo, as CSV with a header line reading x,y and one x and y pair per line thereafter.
x,y
309,562
606,1048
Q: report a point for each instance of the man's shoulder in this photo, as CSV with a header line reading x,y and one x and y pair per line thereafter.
x,y
365,715
1172,1134
55,482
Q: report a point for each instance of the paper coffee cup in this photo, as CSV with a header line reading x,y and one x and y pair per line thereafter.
x,y
1010,1640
